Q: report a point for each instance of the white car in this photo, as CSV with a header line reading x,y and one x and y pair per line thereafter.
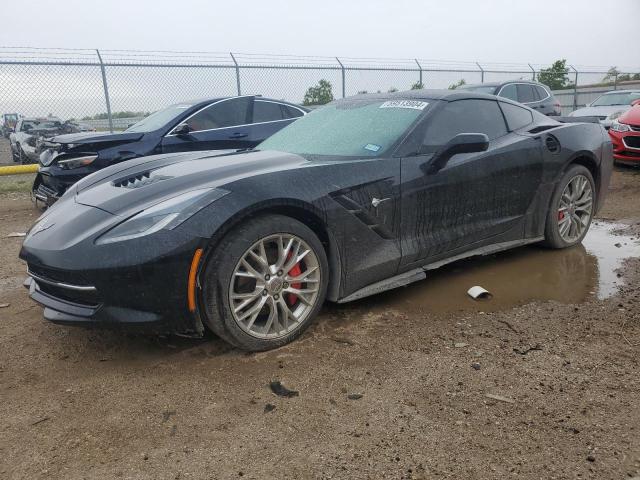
x,y
608,106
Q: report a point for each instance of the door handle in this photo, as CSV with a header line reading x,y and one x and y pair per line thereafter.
x,y
238,135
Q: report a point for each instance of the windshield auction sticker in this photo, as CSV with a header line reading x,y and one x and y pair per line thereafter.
x,y
413,104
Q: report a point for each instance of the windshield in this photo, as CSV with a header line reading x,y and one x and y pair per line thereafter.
x,y
158,119
358,128
622,98
490,89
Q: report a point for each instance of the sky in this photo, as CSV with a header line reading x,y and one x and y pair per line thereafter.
x,y
585,32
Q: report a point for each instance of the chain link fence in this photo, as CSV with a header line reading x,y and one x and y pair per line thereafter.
x,y
111,89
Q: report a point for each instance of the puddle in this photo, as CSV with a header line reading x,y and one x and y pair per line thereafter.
x,y
520,276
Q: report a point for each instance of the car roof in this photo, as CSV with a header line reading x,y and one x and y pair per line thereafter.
x,y
424,94
612,92
200,102
40,119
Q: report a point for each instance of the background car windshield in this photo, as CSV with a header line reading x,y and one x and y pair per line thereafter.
x,y
355,129
616,99
158,119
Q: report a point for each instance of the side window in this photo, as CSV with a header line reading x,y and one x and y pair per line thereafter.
x,y
227,113
266,111
517,117
526,93
465,116
290,112
542,93
509,91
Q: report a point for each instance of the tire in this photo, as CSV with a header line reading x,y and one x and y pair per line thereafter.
x,y
15,155
231,290
563,207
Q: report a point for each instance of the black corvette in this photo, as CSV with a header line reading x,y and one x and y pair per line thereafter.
x,y
363,195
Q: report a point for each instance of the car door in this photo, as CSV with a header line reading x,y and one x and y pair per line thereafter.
x,y
270,116
221,125
477,198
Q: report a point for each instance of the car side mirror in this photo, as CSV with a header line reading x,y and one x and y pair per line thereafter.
x,y
182,129
461,143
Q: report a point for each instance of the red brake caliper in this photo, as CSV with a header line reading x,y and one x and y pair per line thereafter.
x,y
560,215
294,272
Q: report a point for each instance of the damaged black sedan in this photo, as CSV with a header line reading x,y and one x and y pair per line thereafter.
x,y
360,196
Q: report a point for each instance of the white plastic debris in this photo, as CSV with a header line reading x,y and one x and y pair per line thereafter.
x,y
479,293
16,235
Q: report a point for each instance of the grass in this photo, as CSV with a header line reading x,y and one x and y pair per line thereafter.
x,y
16,183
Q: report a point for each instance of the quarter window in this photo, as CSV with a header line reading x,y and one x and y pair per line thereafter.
x,y
465,116
542,92
266,112
517,117
290,112
228,113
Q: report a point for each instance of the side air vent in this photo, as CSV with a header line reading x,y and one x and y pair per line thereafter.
x,y
140,180
552,144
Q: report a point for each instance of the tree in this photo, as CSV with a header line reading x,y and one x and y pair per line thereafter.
x,y
392,90
611,75
459,83
556,76
319,94
417,86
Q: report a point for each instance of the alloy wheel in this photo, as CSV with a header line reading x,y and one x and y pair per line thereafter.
x,y
274,286
575,208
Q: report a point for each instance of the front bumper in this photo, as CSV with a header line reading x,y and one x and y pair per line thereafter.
x,y
64,311
622,152
141,283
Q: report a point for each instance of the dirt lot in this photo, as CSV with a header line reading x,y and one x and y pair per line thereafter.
x,y
387,388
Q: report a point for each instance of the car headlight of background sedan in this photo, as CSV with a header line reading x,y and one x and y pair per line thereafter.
x,y
77,162
616,126
167,215
615,115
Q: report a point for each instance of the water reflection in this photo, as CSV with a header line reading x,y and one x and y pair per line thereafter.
x,y
520,276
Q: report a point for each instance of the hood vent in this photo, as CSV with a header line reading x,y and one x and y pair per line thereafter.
x,y
139,180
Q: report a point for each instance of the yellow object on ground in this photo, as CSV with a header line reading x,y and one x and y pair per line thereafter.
x,y
18,169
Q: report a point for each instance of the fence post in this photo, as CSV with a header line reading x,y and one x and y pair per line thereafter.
x,y
481,72
615,81
420,70
343,77
237,73
106,91
533,72
575,88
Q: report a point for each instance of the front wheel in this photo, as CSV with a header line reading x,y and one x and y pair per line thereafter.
x,y
264,283
572,208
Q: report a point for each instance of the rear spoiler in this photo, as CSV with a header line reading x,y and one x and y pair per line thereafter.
x,y
577,119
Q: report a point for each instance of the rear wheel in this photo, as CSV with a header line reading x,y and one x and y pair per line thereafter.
x,y
572,207
265,283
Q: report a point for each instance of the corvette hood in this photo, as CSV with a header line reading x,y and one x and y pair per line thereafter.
x,y
603,111
100,137
137,184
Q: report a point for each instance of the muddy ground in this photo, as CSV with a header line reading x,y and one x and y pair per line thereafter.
x,y
388,387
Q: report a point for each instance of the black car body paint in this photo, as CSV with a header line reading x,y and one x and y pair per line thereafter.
x,y
382,220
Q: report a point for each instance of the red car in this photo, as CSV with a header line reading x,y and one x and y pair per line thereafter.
x,y
625,136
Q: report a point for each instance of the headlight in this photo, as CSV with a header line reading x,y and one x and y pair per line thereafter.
x,y
615,115
616,126
77,162
164,215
